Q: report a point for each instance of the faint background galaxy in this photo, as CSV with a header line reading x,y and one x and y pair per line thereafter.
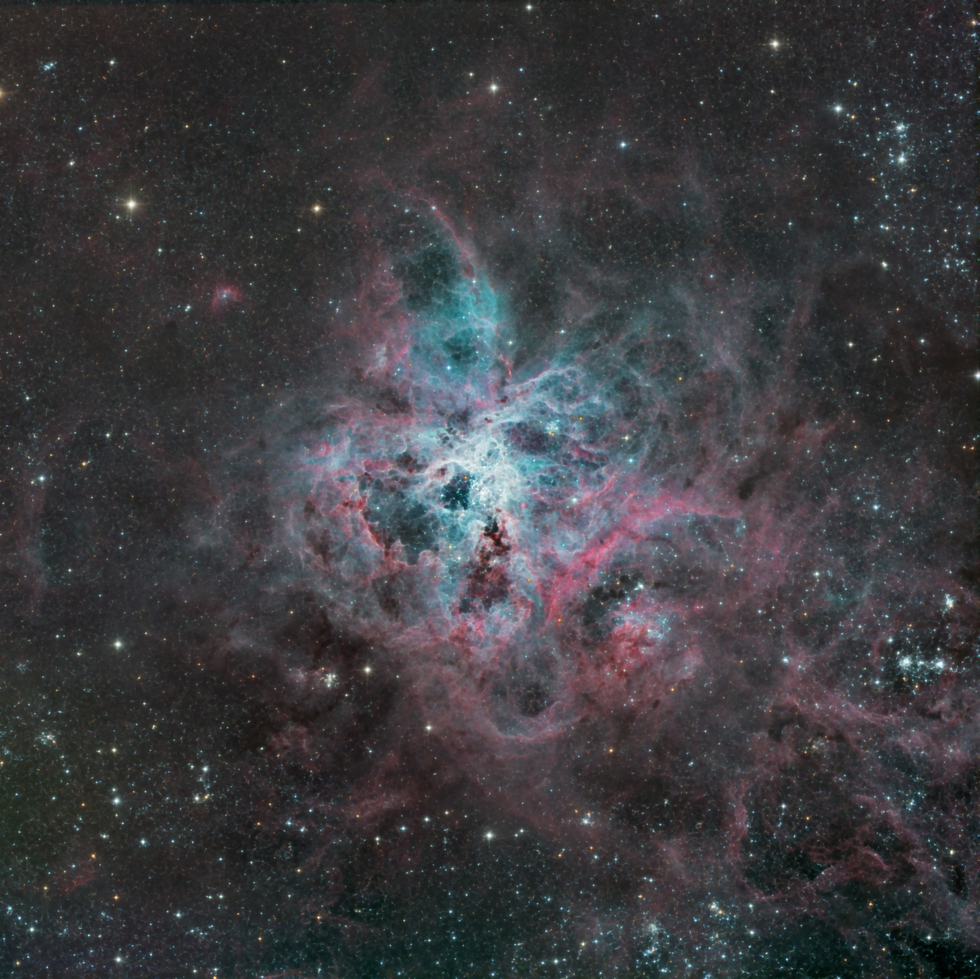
x,y
489,490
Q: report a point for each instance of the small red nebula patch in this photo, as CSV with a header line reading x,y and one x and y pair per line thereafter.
x,y
224,298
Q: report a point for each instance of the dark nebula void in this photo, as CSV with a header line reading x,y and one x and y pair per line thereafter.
x,y
489,493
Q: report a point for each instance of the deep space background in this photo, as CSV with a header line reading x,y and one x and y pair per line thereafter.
x,y
488,490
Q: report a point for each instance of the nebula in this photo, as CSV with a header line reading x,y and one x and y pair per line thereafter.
x,y
634,621
489,492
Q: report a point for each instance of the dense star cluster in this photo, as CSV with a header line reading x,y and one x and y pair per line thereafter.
x,y
489,490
